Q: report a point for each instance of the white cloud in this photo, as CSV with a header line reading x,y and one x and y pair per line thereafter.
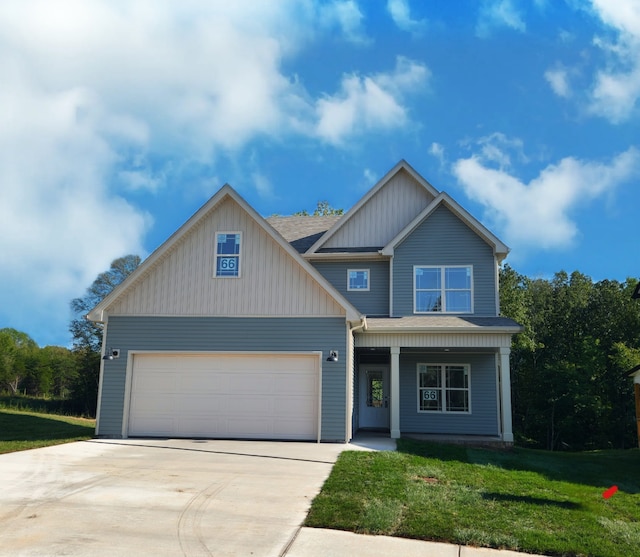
x,y
616,88
498,13
437,150
370,102
538,214
95,93
347,16
558,79
262,184
401,14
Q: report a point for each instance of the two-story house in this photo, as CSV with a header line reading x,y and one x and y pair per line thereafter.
x,y
384,318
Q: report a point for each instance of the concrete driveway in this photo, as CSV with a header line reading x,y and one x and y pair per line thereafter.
x,y
159,497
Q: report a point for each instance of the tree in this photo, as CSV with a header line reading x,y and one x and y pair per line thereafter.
x,y
323,209
569,386
87,336
15,349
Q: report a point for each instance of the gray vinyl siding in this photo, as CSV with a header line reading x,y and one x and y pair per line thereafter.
x,y
375,301
443,239
483,419
228,334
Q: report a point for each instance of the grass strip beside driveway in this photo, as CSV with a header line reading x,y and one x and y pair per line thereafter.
x,y
20,431
523,500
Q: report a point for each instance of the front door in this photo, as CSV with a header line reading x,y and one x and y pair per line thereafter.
x,y
374,397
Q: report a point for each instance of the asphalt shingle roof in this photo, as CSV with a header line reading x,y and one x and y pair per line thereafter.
x,y
302,231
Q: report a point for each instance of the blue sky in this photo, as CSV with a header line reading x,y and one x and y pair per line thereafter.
x,y
119,119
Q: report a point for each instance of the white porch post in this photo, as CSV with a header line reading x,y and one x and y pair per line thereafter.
x,y
505,395
395,392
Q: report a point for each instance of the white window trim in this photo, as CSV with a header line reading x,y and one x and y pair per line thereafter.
x,y
442,389
442,289
215,256
359,289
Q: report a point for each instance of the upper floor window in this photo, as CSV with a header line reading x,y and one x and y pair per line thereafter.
x,y
358,279
443,289
228,254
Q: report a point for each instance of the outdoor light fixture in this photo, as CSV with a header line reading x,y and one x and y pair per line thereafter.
x,y
333,356
112,354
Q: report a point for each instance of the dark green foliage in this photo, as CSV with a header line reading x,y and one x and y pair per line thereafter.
x,y
323,209
570,389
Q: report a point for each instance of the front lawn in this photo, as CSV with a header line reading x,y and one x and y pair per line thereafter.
x,y
29,430
524,500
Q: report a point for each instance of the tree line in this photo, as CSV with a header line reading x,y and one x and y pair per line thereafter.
x,y
569,367
70,375
570,386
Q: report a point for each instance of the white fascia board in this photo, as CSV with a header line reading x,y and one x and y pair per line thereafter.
x,y
402,165
499,248
361,256
98,313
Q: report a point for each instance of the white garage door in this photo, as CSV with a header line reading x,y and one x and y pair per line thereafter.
x,y
258,396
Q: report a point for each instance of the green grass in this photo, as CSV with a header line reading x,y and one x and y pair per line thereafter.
x,y
523,500
20,430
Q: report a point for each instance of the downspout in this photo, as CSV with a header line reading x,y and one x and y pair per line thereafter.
x,y
348,419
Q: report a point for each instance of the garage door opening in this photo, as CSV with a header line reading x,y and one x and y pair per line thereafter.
x,y
243,396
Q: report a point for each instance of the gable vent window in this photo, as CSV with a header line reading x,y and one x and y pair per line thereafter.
x,y
228,254
443,289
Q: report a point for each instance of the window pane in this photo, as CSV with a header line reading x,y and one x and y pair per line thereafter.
x,y
430,399
375,394
430,376
458,301
358,280
457,278
227,266
457,377
428,301
457,401
428,278
229,244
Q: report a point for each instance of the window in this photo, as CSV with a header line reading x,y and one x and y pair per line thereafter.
x,y
228,254
443,289
443,388
358,279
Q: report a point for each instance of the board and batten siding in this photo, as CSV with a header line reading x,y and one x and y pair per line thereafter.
x,y
271,282
443,239
483,419
227,334
374,301
383,216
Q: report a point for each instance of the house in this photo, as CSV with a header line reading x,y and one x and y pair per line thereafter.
x,y
312,328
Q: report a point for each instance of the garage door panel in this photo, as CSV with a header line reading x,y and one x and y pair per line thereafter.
x,y
272,396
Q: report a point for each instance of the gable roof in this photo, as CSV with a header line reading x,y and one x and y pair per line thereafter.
x,y
401,166
500,249
302,231
98,313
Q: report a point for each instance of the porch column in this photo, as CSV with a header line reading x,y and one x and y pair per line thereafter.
x,y
395,392
505,395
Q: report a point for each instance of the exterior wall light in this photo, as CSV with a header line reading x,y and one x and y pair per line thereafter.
x,y
112,354
333,356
